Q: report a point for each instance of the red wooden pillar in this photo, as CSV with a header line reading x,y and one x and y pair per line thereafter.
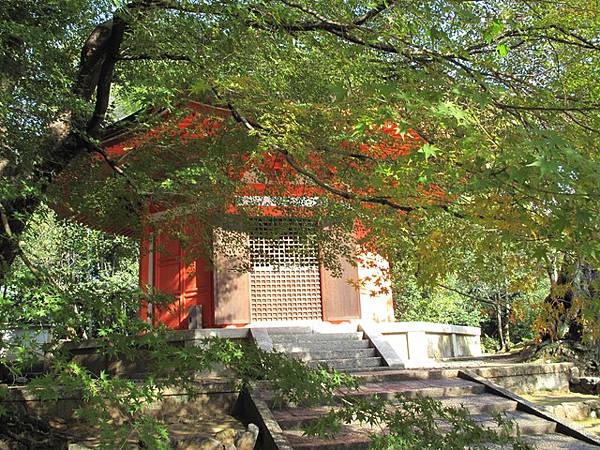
x,y
145,275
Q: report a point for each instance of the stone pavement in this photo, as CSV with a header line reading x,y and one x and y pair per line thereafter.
x,y
582,409
443,385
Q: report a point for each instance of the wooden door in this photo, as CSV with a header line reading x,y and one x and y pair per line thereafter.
x,y
231,278
340,294
285,278
182,282
168,282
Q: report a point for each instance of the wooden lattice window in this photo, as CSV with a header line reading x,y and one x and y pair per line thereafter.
x,y
285,280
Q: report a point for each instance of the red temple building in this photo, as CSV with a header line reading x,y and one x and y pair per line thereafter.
x,y
282,284
249,265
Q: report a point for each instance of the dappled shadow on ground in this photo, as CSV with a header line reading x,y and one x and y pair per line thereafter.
x,y
35,425
23,429
556,398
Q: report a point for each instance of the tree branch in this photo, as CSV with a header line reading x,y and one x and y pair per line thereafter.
x,y
318,181
92,57
585,108
159,57
374,12
464,294
106,75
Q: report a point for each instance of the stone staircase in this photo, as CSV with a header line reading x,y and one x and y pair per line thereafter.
x,y
349,351
443,385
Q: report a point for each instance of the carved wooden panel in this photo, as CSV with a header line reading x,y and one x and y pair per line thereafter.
x,y
285,277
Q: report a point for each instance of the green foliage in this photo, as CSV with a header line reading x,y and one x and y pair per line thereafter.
x,y
495,286
522,309
506,95
332,89
490,343
86,280
418,423
433,305
289,378
119,407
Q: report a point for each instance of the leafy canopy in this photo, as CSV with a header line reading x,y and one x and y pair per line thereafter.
x,y
504,95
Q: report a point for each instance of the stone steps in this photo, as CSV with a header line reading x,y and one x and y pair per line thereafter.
x,y
333,354
348,364
480,403
343,351
291,418
315,346
351,352
302,338
278,331
556,441
447,389
477,405
443,387
406,375
526,424
451,391
351,438
357,436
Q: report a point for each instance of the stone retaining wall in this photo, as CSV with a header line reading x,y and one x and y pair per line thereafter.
x,y
86,352
214,395
576,410
420,342
529,377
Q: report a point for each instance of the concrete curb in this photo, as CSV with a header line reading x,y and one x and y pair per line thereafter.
x,y
261,338
257,411
562,426
385,350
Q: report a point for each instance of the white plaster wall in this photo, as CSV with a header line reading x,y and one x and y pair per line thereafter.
x,y
30,338
399,343
439,345
419,342
468,345
376,301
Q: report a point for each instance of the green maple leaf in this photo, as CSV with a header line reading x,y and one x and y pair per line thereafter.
x,y
502,50
543,165
428,150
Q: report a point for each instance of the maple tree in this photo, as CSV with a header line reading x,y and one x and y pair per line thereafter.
x,y
452,130
501,97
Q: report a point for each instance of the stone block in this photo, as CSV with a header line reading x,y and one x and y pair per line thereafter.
x,y
526,378
262,339
383,347
439,345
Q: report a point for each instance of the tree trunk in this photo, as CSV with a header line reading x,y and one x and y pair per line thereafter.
x,y
507,323
561,297
64,141
500,326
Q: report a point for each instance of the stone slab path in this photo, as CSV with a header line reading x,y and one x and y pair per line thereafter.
x,y
442,385
582,409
